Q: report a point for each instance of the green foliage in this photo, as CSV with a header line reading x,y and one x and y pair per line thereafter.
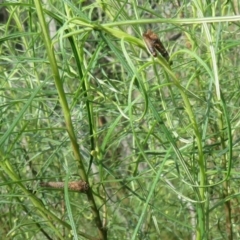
x,y
82,99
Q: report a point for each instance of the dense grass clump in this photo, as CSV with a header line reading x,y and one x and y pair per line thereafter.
x,y
102,137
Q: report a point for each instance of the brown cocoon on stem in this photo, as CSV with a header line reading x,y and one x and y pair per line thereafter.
x,y
80,186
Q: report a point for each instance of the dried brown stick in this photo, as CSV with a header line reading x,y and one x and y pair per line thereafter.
x,y
80,186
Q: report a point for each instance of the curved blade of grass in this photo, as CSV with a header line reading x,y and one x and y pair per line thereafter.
x,y
146,204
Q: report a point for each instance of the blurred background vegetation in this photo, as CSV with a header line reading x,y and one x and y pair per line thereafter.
x,y
83,100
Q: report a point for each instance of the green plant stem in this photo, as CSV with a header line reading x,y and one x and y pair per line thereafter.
x,y
67,116
45,213
201,162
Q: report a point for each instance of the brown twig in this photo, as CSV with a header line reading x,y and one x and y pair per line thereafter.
x,y
79,186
